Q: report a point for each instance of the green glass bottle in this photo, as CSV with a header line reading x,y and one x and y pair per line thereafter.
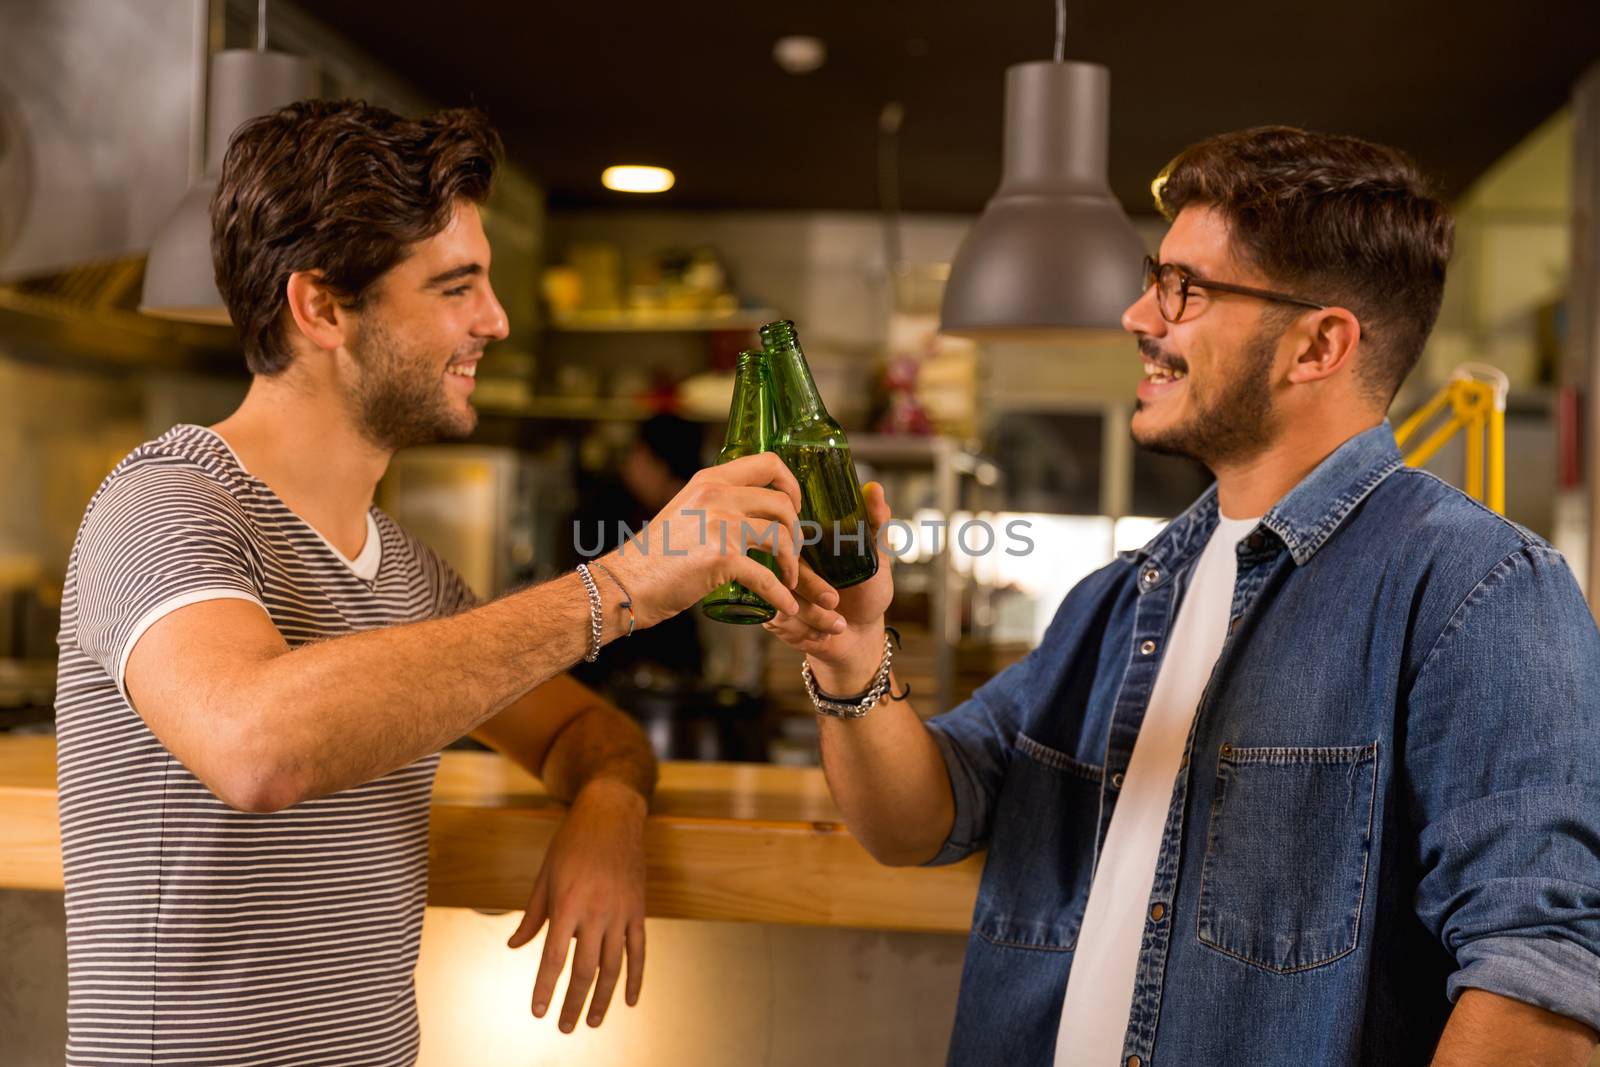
x,y
750,430
818,453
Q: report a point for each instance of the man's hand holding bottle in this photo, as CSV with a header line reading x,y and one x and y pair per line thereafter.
x,y
845,659
699,540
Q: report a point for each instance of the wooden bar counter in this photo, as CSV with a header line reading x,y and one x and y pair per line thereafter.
x,y
725,841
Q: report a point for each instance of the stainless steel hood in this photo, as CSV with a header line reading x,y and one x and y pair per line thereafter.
x,y
88,314
102,129
99,137
97,105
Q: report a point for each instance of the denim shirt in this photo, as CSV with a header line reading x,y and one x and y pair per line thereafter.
x,y
1390,792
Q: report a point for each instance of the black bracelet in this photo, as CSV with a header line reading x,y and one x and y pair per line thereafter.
x,y
858,698
905,690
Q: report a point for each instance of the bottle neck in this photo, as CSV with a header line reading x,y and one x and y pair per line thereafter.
x,y
750,414
797,399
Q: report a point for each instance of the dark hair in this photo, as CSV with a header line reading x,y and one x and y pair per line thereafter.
x,y
675,441
1333,219
339,187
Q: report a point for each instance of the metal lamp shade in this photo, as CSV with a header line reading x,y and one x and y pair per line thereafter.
x,y
1053,251
179,280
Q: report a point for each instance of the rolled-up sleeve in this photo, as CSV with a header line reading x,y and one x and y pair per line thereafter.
x,y
1502,767
975,739
1553,974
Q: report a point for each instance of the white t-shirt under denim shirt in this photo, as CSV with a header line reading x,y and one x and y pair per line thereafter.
x,y
1094,1016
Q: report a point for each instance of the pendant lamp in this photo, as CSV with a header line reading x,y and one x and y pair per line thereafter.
x,y
179,281
1053,252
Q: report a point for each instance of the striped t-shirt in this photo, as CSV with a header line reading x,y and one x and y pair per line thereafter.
x,y
198,934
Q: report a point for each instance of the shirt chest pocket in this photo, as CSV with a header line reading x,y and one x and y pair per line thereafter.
x,y
1287,851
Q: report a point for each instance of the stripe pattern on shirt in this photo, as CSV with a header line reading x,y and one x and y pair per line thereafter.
x,y
198,934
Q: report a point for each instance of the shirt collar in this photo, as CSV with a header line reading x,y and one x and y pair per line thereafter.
x,y
1307,515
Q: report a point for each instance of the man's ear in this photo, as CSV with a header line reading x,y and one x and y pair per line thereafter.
x,y
316,310
1326,343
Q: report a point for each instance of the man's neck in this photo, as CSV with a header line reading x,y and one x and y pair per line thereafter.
x,y
301,442
1249,488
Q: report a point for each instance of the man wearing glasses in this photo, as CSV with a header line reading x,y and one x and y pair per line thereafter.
x,y
1314,776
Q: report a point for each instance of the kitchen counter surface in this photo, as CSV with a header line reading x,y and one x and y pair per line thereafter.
x,y
724,841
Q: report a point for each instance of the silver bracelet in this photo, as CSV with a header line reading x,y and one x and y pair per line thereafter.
x,y
859,706
594,613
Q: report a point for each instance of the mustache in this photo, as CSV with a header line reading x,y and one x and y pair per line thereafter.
x,y
1152,352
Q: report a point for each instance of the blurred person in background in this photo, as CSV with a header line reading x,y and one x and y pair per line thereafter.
x,y
662,458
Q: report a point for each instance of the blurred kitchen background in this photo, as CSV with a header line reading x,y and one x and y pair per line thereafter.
x,y
829,158
828,164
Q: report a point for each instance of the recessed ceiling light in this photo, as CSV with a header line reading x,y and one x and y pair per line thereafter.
x,y
799,54
631,178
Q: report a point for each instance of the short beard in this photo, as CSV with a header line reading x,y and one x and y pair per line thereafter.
x,y
1239,423
399,398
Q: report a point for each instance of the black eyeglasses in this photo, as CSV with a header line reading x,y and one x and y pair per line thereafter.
x,y
1173,283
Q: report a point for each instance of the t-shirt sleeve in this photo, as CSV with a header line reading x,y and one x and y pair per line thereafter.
x,y
156,539
451,593
456,594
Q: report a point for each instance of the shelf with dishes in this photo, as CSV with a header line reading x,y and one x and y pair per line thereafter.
x,y
661,320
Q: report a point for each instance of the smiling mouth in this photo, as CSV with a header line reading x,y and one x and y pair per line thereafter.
x,y
463,370
1158,374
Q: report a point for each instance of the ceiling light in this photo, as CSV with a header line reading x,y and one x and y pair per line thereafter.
x,y
799,54
179,280
631,178
1053,252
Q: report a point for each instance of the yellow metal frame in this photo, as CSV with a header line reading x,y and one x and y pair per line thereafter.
x,y
1475,397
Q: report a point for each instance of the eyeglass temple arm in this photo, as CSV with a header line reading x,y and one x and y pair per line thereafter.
x,y
1262,294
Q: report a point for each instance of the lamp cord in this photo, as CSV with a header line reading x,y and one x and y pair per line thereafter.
x,y
1061,29
261,27
890,119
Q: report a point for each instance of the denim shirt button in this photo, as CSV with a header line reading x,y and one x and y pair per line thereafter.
x,y
1146,648
1116,780
1157,912
1134,1061
1151,575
